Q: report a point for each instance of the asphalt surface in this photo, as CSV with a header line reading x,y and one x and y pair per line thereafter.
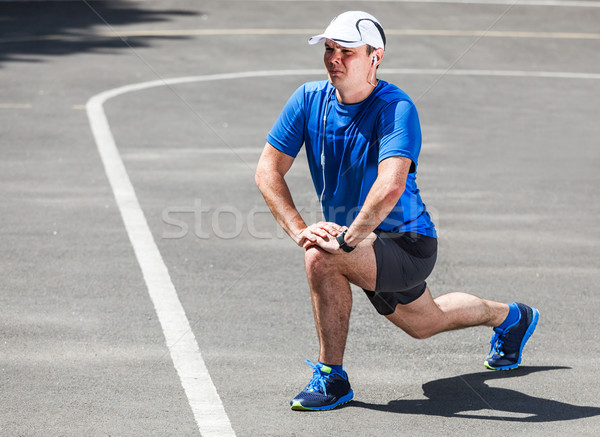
x,y
509,170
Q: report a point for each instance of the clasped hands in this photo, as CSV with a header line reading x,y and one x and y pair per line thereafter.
x,y
322,234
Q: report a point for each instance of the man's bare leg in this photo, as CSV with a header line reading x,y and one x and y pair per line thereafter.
x,y
332,303
329,276
427,316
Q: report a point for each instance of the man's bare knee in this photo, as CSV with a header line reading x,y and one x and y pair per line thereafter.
x,y
420,333
419,323
317,261
415,331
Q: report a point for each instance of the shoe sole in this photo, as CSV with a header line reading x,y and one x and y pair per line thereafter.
x,y
297,406
530,329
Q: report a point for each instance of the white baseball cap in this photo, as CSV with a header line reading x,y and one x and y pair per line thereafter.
x,y
353,29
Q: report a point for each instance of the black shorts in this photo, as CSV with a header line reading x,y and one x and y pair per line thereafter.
x,y
404,261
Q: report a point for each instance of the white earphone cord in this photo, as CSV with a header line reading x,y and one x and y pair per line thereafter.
x,y
374,68
325,108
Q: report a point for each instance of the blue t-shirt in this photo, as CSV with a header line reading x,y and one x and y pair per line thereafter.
x,y
357,138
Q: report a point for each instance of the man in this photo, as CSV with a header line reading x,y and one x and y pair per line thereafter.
x,y
362,138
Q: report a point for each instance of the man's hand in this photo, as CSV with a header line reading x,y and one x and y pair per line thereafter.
x,y
321,234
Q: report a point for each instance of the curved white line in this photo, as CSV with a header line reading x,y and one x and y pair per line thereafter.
x,y
203,398
204,401
106,95
495,73
309,72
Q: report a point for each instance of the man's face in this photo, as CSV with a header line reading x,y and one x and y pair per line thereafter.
x,y
346,67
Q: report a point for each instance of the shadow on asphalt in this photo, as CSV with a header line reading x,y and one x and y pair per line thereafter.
x,y
459,395
42,28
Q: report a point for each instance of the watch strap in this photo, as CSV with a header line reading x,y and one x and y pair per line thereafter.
x,y
343,245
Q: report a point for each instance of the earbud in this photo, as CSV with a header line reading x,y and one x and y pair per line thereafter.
x,y
374,70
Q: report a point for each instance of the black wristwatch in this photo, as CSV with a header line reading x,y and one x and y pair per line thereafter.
x,y
343,245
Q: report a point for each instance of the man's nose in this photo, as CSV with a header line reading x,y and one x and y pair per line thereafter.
x,y
335,57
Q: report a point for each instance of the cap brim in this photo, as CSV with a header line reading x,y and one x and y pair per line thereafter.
x,y
320,38
316,39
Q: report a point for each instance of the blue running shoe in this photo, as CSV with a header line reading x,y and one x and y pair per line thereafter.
x,y
507,344
326,390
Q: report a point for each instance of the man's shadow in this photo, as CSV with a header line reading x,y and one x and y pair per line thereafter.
x,y
457,396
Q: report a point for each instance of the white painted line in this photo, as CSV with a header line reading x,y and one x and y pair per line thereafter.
x,y
308,72
15,106
321,72
562,3
493,33
399,32
290,31
495,73
202,395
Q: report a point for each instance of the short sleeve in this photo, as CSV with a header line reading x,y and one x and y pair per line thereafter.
x,y
399,131
287,134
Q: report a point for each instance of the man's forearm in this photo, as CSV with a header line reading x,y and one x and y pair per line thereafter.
x,y
279,200
380,201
